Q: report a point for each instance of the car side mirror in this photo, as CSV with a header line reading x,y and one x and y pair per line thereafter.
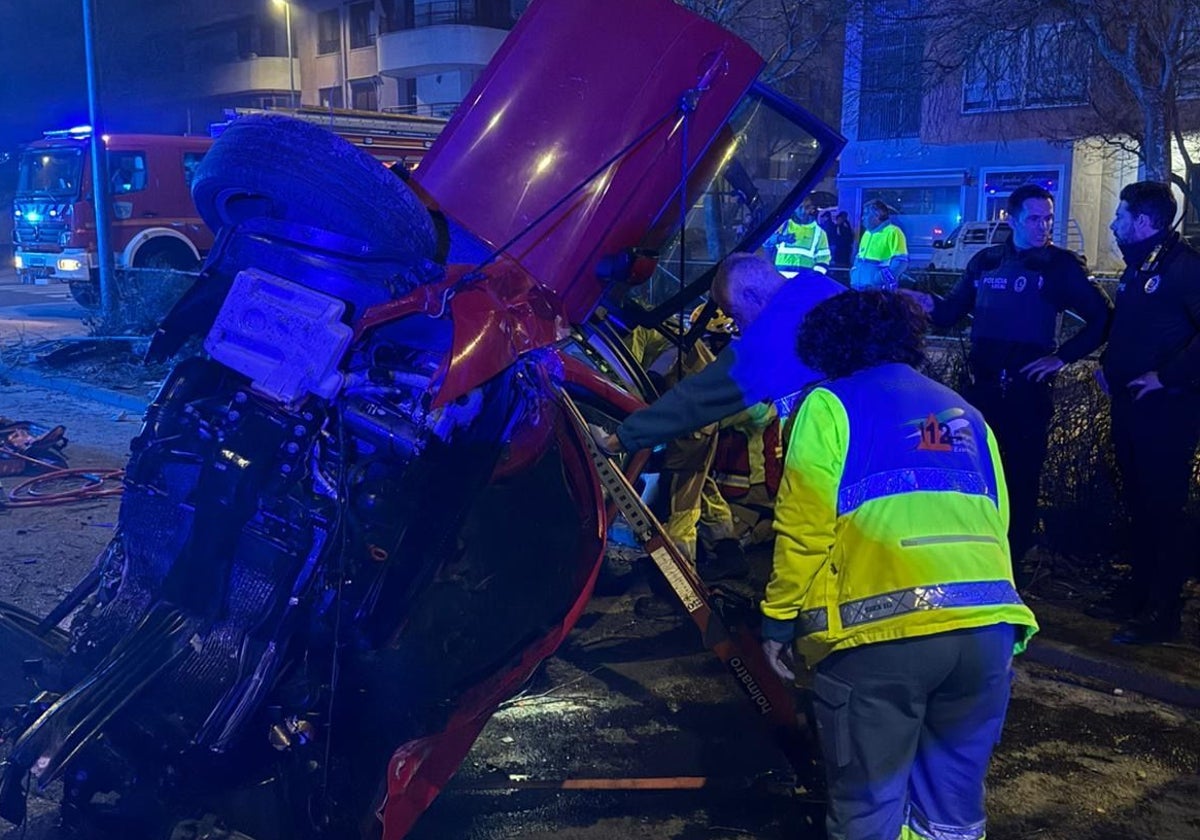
x,y
939,243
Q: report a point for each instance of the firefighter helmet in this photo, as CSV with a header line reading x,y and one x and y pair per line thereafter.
x,y
719,323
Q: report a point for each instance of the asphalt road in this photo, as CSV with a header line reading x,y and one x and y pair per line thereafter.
x,y
30,313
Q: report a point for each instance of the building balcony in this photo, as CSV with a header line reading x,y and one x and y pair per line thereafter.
x,y
261,73
425,50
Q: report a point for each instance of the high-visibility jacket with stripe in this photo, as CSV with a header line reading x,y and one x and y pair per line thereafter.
x,y
891,520
809,246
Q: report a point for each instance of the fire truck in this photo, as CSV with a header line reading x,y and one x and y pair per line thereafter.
x,y
391,138
154,223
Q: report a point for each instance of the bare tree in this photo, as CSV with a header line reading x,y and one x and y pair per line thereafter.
x,y
1131,69
801,40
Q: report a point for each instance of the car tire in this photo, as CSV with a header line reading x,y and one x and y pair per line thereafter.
x,y
268,165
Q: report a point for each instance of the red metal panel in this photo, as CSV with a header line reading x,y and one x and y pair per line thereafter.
x,y
576,83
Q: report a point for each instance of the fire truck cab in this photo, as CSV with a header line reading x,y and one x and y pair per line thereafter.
x,y
154,223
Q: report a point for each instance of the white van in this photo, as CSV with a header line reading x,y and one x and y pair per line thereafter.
x,y
968,239
965,241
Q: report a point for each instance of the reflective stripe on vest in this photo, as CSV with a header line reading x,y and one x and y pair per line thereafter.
x,y
986,593
804,252
911,480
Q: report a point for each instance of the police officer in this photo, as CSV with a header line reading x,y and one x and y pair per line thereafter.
x,y
1152,370
1017,291
801,242
899,593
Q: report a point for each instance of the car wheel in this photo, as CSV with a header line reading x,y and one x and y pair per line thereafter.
x,y
268,165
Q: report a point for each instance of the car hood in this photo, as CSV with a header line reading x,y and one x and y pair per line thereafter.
x,y
569,147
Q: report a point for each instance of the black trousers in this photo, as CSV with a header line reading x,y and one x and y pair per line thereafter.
x,y
1155,440
1019,412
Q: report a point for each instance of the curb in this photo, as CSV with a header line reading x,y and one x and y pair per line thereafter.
x,y
116,399
1150,682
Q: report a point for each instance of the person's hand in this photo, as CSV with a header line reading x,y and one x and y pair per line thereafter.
x,y
1145,383
1039,369
921,299
779,657
609,443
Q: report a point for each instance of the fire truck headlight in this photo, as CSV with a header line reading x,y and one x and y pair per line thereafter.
x,y
69,264
18,263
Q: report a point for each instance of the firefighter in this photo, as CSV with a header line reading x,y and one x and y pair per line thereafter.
x,y
891,572
801,242
747,467
690,503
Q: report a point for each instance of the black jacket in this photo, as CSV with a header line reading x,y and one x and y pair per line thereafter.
x,y
1016,297
1157,322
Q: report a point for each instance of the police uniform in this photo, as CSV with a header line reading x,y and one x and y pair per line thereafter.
x,y
1016,297
1156,327
891,572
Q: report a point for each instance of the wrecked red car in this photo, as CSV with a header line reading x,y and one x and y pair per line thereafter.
x,y
359,518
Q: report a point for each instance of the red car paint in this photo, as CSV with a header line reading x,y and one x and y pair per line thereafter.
x,y
582,89
525,139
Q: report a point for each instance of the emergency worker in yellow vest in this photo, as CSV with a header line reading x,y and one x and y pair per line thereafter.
x,y
801,242
882,249
892,574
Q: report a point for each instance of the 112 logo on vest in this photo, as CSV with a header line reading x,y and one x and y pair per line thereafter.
x,y
934,437
1152,284
948,432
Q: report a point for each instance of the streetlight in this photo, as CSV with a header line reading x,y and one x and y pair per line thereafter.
x,y
287,24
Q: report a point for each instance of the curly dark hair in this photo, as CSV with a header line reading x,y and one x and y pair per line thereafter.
x,y
856,330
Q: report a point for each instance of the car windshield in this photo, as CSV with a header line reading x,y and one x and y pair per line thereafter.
x,y
771,156
50,172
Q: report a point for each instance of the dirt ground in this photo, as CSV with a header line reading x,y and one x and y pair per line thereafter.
x,y
629,698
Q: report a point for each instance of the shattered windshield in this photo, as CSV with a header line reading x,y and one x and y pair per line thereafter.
x,y
50,172
768,159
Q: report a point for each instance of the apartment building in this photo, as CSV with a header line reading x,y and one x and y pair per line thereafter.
x,y
412,56
952,148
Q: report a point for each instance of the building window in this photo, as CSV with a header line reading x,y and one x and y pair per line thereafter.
x,y
329,32
363,95
1041,67
331,97
361,34
440,12
889,103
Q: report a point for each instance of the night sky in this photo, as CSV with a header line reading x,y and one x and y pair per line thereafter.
x,y
42,81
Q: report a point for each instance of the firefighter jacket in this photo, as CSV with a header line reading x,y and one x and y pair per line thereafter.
x,y
891,521
1157,321
749,452
761,365
1016,296
809,246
